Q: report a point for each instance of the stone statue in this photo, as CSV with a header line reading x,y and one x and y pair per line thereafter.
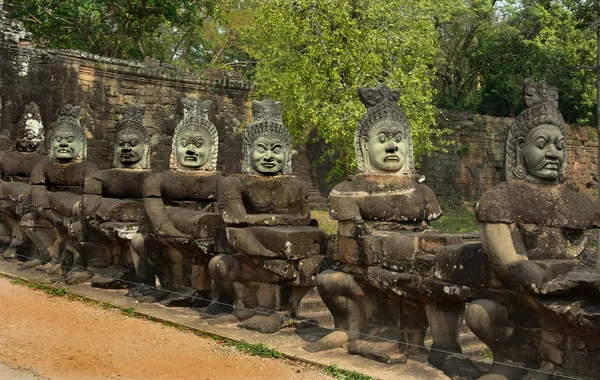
x,y
180,214
57,183
15,169
111,207
270,252
541,308
373,289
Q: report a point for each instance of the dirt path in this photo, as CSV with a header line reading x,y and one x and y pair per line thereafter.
x,y
57,338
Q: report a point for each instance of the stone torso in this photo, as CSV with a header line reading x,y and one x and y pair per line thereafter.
x,y
189,190
69,175
269,195
122,183
550,220
383,198
17,166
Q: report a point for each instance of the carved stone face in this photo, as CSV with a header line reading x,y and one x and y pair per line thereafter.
x,y
65,145
543,154
385,149
268,155
27,145
193,149
130,147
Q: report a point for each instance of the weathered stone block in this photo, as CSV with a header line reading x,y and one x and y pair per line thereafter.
x,y
291,242
425,264
431,240
464,264
388,246
347,251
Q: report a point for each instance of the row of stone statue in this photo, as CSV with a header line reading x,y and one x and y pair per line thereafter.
x,y
247,242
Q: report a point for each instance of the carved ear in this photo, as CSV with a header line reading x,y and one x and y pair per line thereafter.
x,y
521,143
364,143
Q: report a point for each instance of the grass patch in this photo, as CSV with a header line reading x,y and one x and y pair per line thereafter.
x,y
50,290
459,216
335,371
251,349
129,311
325,222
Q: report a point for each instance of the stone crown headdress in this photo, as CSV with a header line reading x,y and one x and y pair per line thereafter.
x,y
132,117
382,105
541,102
69,120
195,117
30,127
267,121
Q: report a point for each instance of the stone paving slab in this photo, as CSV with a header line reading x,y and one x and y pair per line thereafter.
x,y
289,341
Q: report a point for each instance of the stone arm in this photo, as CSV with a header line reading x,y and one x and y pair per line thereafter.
x,y
92,195
155,208
233,211
39,193
499,241
346,211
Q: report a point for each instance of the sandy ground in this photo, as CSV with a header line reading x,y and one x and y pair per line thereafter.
x,y
56,338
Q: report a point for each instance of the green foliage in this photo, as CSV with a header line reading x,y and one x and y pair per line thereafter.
x,y
325,222
485,59
458,216
314,55
343,374
464,149
191,34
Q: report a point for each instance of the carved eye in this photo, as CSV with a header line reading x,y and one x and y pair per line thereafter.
x,y
541,145
184,142
71,139
58,138
134,142
121,143
381,139
277,150
560,145
260,149
398,137
199,143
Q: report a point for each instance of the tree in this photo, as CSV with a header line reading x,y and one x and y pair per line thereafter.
x,y
113,28
314,55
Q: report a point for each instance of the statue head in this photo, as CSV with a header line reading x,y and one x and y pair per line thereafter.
x,y
383,141
67,138
132,148
536,141
267,145
195,141
30,131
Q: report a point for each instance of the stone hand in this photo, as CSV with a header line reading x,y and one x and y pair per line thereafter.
x,y
523,276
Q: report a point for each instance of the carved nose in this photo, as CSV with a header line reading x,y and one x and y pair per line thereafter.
x,y
391,147
552,152
64,143
126,149
191,153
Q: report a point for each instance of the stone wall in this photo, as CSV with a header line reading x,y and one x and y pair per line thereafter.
x,y
474,163
100,86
